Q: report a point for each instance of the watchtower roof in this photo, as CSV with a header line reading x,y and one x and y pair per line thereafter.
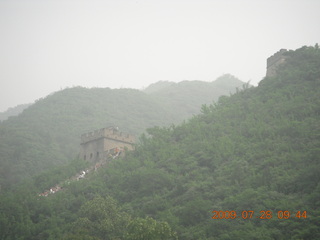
x,y
109,133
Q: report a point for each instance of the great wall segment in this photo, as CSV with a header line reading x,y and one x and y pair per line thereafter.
x,y
98,147
99,144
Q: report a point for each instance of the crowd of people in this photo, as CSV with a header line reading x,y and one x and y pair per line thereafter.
x,y
115,153
51,191
57,188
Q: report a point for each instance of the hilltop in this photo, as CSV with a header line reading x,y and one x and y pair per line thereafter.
x,y
47,133
14,111
186,98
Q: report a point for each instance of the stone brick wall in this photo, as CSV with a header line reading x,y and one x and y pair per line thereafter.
x,y
93,150
274,61
96,145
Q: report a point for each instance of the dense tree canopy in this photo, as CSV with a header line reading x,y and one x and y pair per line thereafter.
x,y
47,133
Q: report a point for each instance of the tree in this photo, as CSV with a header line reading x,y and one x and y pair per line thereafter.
x,y
101,218
148,228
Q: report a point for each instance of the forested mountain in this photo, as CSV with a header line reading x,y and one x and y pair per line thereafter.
x,y
155,87
186,98
14,111
48,132
247,167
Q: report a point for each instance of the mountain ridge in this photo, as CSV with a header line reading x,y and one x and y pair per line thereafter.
x,y
246,167
14,111
49,130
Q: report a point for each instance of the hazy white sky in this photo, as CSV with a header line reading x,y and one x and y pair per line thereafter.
x,y
48,45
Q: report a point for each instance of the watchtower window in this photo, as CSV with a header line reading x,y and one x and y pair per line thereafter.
x,y
97,154
85,157
90,155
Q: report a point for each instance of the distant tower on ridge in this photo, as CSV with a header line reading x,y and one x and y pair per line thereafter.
x,y
274,61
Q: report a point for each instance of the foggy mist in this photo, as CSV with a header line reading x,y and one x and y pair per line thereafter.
x,y
46,46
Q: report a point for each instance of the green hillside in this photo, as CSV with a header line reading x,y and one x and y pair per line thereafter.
x,y
48,132
14,111
252,157
158,86
186,98
257,150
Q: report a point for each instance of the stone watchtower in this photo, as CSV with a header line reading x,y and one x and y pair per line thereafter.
x,y
98,145
274,61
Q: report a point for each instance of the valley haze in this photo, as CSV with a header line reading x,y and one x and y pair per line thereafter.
x,y
48,45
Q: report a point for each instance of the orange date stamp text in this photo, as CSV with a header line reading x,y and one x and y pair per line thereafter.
x,y
264,214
